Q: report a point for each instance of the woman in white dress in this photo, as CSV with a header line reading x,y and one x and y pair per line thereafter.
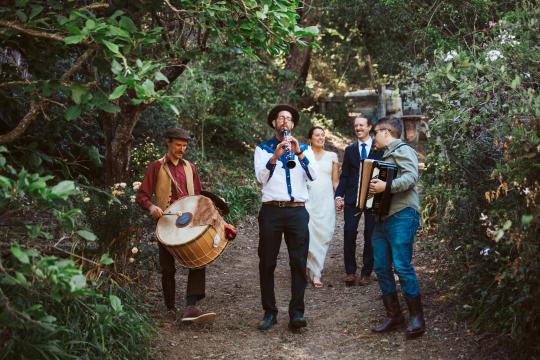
x,y
322,213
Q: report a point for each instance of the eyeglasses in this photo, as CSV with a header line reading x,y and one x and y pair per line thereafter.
x,y
286,118
375,132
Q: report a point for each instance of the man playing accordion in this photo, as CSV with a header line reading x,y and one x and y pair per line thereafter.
x,y
393,236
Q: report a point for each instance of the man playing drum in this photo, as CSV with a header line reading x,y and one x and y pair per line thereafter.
x,y
171,178
283,166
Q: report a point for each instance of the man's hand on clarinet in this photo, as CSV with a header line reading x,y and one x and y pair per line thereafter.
x,y
281,149
295,147
155,211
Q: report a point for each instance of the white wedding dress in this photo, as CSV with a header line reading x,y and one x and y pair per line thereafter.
x,y
322,214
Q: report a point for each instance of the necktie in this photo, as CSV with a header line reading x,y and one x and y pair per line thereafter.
x,y
363,153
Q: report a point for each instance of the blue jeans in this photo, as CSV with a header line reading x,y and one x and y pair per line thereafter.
x,y
392,242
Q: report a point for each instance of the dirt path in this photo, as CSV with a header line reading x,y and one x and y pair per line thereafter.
x,y
339,317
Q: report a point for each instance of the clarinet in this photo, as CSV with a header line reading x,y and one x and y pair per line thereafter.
x,y
290,162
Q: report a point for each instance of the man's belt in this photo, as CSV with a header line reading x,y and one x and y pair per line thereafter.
x,y
284,203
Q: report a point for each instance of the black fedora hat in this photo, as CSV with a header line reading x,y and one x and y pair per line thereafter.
x,y
272,115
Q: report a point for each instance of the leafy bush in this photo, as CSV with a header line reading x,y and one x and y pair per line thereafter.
x,y
50,308
482,182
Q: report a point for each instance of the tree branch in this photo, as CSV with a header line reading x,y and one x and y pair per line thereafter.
x,y
35,107
17,83
95,6
178,11
40,34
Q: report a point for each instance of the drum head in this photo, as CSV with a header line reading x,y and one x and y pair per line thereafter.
x,y
168,231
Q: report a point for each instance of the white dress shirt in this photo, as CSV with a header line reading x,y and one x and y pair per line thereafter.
x,y
368,143
278,182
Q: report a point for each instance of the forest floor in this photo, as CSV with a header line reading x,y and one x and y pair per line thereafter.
x,y
339,317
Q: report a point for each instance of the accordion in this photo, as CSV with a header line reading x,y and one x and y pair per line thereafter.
x,y
377,204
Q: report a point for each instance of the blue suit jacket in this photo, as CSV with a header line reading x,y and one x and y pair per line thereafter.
x,y
348,180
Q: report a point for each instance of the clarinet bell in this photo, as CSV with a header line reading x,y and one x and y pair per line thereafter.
x,y
290,164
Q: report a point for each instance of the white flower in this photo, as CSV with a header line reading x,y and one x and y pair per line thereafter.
x,y
131,260
134,250
527,75
508,39
494,55
450,55
86,199
483,217
485,251
136,185
526,191
123,185
132,198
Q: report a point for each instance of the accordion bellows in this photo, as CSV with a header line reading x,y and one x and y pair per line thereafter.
x,y
377,204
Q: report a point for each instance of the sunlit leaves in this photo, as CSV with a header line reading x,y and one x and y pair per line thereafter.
x,y
63,190
20,254
119,91
87,235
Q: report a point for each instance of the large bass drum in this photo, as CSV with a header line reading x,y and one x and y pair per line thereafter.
x,y
194,246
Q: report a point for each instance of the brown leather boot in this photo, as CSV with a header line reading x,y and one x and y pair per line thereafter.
x,y
416,324
393,312
193,314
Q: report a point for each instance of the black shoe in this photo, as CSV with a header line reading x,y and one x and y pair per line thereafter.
x,y
297,322
267,322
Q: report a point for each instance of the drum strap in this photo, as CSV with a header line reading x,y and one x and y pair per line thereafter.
x,y
163,186
189,178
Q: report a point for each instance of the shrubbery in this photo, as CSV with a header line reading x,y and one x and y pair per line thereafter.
x,y
51,309
482,184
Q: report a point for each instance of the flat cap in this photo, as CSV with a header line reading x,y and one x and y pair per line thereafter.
x,y
177,133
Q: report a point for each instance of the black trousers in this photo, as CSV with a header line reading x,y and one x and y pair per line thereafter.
x,y
292,223
352,218
195,284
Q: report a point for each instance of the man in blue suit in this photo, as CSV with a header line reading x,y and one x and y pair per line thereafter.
x,y
345,198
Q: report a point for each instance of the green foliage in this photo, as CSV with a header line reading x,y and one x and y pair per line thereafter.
x,y
221,107
127,50
482,182
231,176
50,309
391,32
115,218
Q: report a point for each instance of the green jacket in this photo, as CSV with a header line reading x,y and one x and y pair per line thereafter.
x,y
403,189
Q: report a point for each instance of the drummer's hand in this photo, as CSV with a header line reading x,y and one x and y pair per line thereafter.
x,y
230,231
155,211
377,186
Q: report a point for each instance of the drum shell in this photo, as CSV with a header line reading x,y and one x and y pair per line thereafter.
x,y
200,252
196,245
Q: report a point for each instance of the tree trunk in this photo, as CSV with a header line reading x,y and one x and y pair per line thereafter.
x,y
299,59
118,141
118,129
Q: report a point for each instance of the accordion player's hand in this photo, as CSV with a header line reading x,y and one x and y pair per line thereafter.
x,y
377,186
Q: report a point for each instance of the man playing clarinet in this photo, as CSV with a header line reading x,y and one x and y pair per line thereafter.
x,y
283,166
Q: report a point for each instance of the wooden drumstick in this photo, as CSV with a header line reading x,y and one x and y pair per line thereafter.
x,y
178,213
